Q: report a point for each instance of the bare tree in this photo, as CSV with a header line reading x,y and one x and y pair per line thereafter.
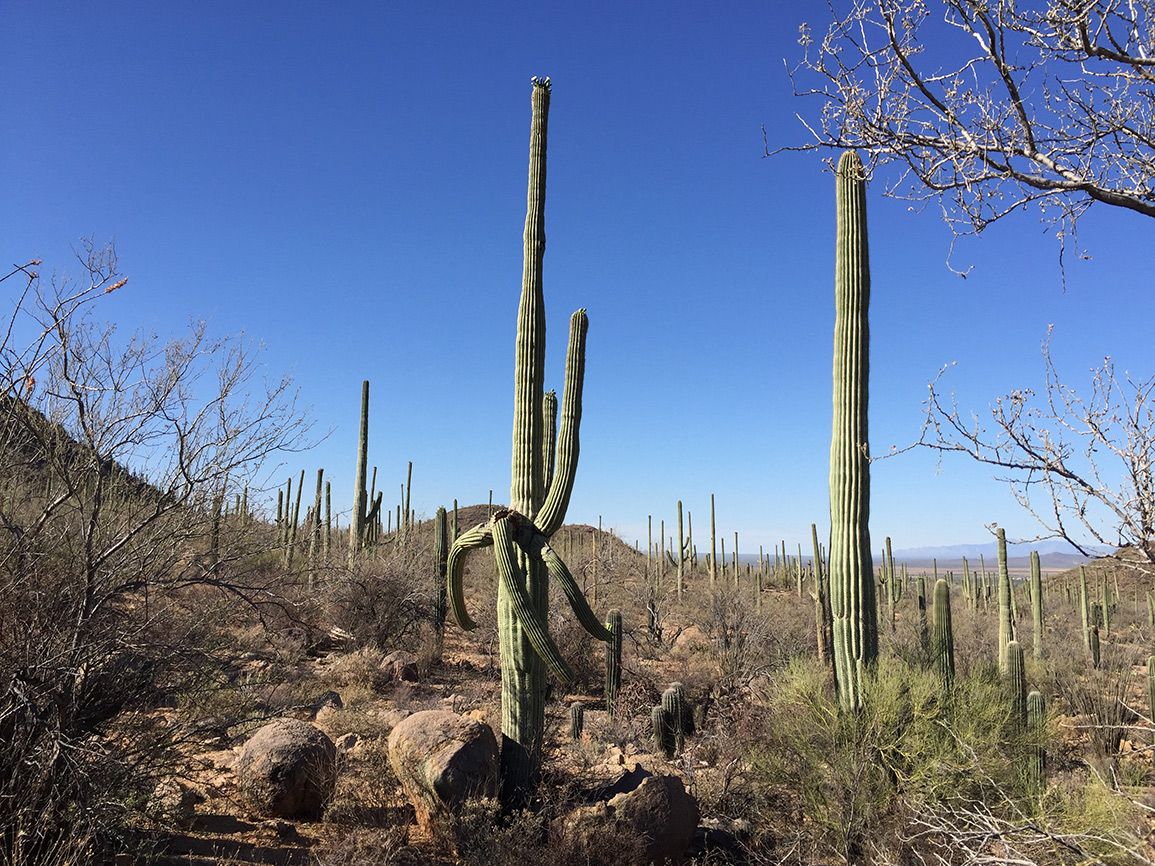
x,y
990,106
1081,465
116,456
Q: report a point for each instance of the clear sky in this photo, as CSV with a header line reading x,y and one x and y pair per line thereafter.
x,y
344,183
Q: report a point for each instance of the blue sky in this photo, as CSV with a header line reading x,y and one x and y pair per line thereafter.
x,y
345,184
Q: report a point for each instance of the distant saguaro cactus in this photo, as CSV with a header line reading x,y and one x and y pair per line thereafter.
x,y
851,571
577,716
1006,618
1036,605
613,661
943,634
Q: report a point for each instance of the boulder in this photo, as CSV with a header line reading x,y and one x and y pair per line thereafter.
x,y
442,759
399,666
288,770
174,802
659,812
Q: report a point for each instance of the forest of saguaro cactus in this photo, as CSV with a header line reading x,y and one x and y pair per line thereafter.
x,y
229,635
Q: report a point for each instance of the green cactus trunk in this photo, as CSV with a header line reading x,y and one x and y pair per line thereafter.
x,y
674,706
1036,604
852,595
681,550
1096,655
713,545
1006,619
1084,608
1015,683
663,726
441,556
613,661
360,495
1036,747
943,634
577,716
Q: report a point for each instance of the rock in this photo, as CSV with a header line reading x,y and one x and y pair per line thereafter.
x,y
622,780
347,743
174,803
288,770
442,759
399,666
658,811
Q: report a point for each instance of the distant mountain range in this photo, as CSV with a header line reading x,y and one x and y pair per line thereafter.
x,y
1053,555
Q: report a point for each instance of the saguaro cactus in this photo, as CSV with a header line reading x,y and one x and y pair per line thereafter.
x,y
577,717
360,495
674,705
1036,605
852,596
520,534
1015,682
1006,617
663,731
613,660
441,554
943,633
1036,753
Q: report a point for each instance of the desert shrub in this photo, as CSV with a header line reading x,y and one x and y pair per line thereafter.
x,y
365,846
853,777
382,600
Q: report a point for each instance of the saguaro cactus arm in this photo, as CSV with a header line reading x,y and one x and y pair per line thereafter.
x,y
535,628
472,539
549,519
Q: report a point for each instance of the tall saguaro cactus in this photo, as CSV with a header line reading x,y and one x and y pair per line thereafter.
x,y
1036,605
520,534
943,634
1006,617
360,496
852,595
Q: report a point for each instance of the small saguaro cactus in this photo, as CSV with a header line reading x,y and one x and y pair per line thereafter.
x,y
613,661
943,634
1084,608
577,716
1036,730
520,534
1006,617
441,555
1036,605
1095,649
1015,682
852,596
663,731
674,704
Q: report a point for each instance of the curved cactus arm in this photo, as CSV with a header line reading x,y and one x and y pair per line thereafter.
x,y
537,545
551,515
505,552
472,539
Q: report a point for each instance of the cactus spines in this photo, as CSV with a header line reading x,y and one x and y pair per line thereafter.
x,y
1036,730
360,495
1006,619
852,596
613,660
674,706
663,731
1036,605
520,534
1015,682
577,716
943,633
